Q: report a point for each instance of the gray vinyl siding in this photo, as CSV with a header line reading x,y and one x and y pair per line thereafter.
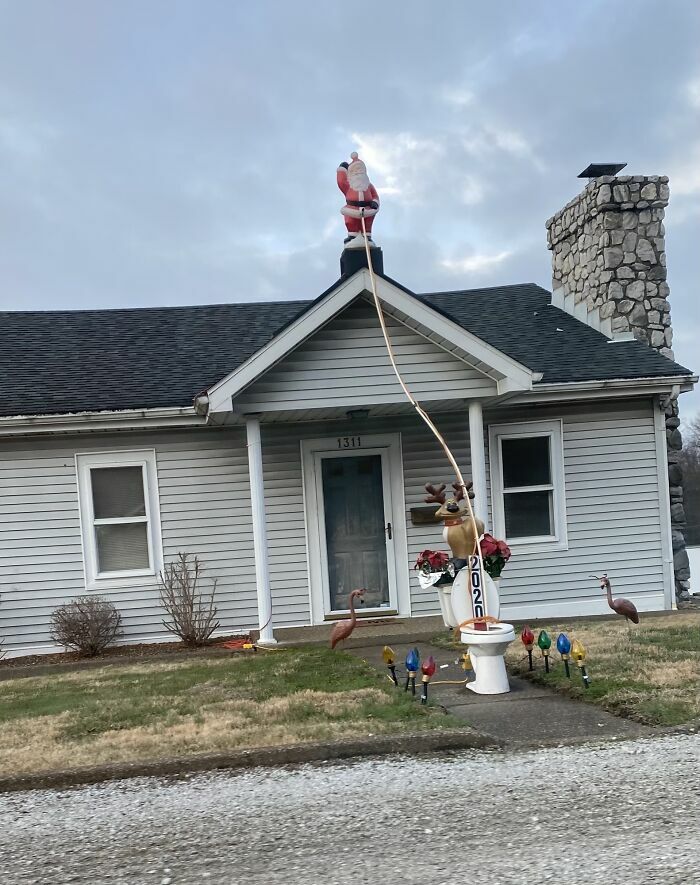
x,y
205,510
613,516
612,506
346,363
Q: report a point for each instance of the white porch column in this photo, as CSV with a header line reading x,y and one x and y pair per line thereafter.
x,y
478,459
257,494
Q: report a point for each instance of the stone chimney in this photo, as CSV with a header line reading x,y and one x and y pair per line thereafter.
x,y
609,270
609,258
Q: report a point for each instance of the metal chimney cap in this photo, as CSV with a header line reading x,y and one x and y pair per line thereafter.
x,y
595,170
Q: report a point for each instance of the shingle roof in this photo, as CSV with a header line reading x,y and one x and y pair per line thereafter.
x,y
520,321
93,360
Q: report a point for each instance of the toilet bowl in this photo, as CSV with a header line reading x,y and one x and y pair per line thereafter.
x,y
486,650
486,647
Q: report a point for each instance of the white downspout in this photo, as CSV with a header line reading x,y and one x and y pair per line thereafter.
x,y
478,459
257,493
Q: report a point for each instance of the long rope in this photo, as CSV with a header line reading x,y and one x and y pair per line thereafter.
x,y
414,402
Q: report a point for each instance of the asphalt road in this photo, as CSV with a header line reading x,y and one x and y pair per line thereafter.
x,y
626,812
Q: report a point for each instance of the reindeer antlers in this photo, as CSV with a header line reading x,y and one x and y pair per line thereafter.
x,y
436,494
459,491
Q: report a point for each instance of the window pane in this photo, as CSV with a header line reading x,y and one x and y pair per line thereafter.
x,y
528,514
526,462
122,547
117,491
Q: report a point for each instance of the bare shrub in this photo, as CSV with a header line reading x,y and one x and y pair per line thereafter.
x,y
192,611
87,624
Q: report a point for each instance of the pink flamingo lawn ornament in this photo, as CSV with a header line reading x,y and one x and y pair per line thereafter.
x,y
343,629
623,607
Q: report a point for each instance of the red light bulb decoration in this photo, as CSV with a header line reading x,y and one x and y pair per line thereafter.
x,y
528,639
428,671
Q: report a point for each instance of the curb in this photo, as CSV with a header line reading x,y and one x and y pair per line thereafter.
x,y
318,751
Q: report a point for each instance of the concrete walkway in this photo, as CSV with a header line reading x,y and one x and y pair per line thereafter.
x,y
529,715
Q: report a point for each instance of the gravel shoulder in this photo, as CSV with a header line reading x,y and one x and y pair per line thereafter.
x,y
598,813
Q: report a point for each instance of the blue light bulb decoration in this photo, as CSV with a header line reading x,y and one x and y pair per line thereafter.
x,y
413,660
564,649
412,665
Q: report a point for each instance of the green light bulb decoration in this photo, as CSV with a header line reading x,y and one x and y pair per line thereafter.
x,y
544,642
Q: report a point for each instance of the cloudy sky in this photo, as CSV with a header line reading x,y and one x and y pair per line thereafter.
x,y
160,152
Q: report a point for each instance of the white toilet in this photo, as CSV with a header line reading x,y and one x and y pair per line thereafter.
x,y
486,647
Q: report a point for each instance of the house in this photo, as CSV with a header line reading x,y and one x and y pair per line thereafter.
x,y
274,441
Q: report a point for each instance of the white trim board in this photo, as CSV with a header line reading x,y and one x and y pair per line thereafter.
x,y
508,374
664,504
146,459
552,429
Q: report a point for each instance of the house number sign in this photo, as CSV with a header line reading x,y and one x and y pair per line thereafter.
x,y
349,442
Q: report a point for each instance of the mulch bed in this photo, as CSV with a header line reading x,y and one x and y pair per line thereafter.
x,y
135,652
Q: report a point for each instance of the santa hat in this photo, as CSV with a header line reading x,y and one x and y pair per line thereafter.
x,y
356,164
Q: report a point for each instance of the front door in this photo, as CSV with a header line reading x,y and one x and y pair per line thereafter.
x,y
355,526
358,530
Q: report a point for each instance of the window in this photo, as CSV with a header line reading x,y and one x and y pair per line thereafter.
x,y
118,495
527,483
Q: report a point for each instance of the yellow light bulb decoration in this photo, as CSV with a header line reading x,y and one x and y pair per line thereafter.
x,y
388,654
578,652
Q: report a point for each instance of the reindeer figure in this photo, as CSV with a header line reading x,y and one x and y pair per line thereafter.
x,y
454,512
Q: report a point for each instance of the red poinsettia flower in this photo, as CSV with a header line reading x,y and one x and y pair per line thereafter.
x,y
504,550
438,560
489,545
435,560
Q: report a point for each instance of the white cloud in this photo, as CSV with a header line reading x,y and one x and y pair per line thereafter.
x,y
458,96
490,138
692,92
473,191
400,164
480,261
685,174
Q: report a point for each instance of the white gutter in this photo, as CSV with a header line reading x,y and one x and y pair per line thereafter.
x,y
610,386
77,422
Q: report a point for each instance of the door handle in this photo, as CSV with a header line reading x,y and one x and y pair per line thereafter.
x,y
388,530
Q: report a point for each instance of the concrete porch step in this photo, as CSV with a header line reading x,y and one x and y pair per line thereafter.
x,y
368,630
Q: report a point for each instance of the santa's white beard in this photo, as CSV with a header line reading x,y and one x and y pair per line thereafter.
x,y
359,181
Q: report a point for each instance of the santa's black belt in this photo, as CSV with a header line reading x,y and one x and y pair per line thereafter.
x,y
361,204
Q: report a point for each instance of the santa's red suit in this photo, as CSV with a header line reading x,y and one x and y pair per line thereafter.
x,y
360,195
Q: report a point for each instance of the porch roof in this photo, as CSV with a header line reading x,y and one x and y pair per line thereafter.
x,y
62,362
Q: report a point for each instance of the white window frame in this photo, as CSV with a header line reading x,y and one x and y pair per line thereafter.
x,y
146,460
523,430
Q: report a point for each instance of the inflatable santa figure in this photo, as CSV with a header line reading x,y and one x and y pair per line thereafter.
x,y
361,199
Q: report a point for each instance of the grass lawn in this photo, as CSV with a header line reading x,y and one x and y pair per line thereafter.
x,y
150,710
653,678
